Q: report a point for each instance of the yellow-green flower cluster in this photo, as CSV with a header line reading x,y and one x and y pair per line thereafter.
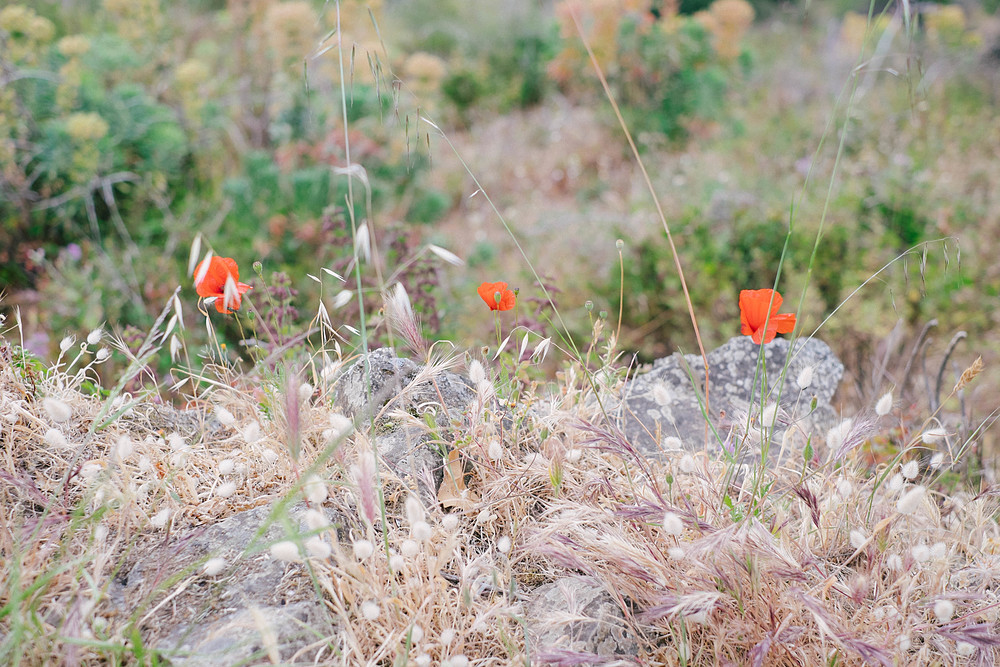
x,y
74,46
946,26
136,20
291,31
190,75
86,127
71,72
26,31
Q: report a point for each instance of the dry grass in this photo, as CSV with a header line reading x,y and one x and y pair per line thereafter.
x,y
835,563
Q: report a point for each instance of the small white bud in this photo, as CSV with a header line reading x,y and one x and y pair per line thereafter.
x,y
884,405
495,450
932,436
57,410
574,455
285,551
251,433
911,500
836,436
896,482
676,553
363,549
226,489
370,610
340,427
483,517
226,466
805,377
921,553
94,337
90,470
103,354
450,522
214,566
768,415
903,643
123,448
858,538
459,661
894,562
224,416
409,548
318,548
503,544
315,519
672,524
939,550
687,464
965,649
476,371
414,510
447,636
269,455
397,562
315,489
416,634
910,469
661,395
421,530
944,610
305,391
54,438
423,660
66,343
937,461
844,489
176,442
159,520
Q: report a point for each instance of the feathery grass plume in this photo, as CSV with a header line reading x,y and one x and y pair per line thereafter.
x,y
363,473
402,320
884,405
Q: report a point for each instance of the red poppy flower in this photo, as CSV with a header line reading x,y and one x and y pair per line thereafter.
x,y
497,296
211,282
754,312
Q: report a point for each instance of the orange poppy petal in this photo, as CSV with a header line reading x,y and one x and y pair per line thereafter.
x,y
507,300
759,309
784,323
488,292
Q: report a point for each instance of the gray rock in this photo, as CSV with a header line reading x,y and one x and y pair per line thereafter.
x,y
246,636
408,450
576,615
662,403
209,620
390,375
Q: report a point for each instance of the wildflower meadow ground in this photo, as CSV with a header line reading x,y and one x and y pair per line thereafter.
x,y
303,468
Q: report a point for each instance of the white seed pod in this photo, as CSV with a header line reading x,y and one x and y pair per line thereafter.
x,y
884,405
911,500
214,566
285,551
672,524
58,411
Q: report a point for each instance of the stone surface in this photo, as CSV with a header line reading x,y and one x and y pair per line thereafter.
x,y
390,375
576,615
408,450
214,620
662,404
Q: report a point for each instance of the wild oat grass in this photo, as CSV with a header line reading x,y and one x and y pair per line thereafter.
x,y
835,562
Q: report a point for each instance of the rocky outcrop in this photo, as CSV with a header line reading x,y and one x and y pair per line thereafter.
x,y
664,408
